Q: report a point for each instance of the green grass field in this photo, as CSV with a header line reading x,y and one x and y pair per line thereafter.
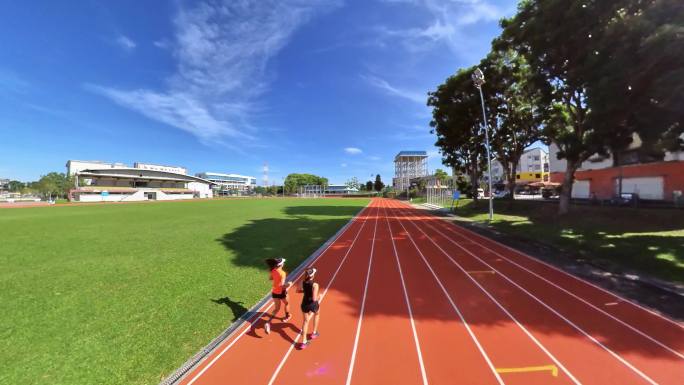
x,y
641,240
124,294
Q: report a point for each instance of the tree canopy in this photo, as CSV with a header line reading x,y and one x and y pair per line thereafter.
x,y
378,185
294,181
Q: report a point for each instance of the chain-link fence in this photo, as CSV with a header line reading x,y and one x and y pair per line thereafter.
x,y
440,196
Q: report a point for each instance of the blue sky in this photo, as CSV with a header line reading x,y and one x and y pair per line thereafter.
x,y
329,87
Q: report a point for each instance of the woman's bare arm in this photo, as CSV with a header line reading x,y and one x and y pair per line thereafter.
x,y
315,291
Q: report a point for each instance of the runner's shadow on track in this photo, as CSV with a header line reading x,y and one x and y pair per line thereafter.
x,y
257,329
235,307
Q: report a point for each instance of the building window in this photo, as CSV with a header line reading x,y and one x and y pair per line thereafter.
x,y
537,167
537,175
517,177
536,157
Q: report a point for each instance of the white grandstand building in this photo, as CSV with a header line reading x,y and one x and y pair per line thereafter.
x,y
97,181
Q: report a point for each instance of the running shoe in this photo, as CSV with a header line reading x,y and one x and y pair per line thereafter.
x,y
267,327
287,317
302,345
314,335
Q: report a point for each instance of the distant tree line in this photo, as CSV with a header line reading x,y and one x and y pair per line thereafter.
x,y
51,186
583,75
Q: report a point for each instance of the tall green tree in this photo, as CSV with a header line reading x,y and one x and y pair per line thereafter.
x,y
442,176
378,185
517,106
636,76
554,36
15,186
457,120
55,184
369,186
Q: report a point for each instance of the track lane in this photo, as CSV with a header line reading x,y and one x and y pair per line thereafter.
x,y
228,362
496,329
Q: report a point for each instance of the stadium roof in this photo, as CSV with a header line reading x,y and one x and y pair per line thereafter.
x,y
412,153
139,173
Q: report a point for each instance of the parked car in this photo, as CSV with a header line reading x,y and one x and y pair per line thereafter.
x,y
625,199
502,194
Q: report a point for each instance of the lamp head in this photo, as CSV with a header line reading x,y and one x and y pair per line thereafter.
x,y
478,78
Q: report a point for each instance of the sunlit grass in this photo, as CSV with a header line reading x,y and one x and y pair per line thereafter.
x,y
645,240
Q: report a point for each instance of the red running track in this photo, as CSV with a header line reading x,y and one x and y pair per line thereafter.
x,y
409,298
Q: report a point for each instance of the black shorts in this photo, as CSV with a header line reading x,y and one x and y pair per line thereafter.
x,y
310,307
282,295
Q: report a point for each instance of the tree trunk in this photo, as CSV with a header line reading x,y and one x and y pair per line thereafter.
x,y
511,181
566,188
473,184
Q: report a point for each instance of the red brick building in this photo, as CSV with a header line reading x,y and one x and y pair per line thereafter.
x,y
650,179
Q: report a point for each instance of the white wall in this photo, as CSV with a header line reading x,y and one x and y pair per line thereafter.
x,y
645,188
581,189
203,189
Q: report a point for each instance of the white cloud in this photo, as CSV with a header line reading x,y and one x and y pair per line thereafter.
x,y
125,42
382,84
162,44
374,157
222,49
343,165
353,150
448,19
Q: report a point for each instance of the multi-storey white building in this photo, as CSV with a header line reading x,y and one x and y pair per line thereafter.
x,y
224,183
408,165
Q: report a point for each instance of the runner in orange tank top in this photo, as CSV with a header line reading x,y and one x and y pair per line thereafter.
x,y
279,290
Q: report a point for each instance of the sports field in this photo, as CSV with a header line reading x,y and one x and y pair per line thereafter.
x,y
125,293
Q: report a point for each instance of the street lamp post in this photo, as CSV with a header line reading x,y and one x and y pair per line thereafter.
x,y
479,80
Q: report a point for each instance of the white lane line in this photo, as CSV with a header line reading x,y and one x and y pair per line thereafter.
x,y
533,259
363,305
408,303
501,307
294,343
453,305
590,337
213,361
634,329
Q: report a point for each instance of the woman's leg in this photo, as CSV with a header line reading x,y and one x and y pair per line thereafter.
x,y
276,309
305,326
315,321
287,310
